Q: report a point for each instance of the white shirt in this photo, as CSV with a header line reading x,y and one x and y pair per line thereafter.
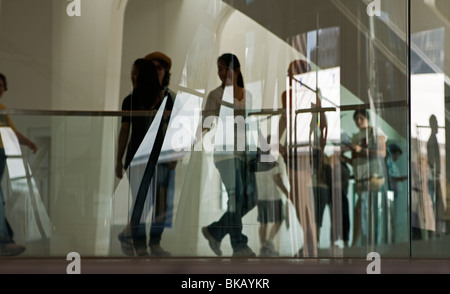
x,y
268,189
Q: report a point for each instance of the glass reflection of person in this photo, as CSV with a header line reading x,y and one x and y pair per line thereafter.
x,y
300,179
395,178
395,184
272,187
368,148
8,247
239,182
434,183
165,171
147,95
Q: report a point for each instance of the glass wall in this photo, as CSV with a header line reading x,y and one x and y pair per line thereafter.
x,y
429,89
300,129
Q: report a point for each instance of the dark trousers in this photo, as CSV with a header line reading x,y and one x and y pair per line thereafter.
x,y
6,233
241,189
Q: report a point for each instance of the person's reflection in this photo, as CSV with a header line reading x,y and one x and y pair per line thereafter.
x,y
240,184
165,171
147,95
395,184
434,174
368,148
272,186
299,165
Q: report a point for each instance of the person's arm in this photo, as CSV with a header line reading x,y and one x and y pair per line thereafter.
x,y
122,143
211,109
282,126
360,151
25,141
399,178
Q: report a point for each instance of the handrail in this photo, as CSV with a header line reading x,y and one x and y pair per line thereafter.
x,y
391,104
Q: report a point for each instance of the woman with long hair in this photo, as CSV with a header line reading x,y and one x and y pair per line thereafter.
x,y
231,98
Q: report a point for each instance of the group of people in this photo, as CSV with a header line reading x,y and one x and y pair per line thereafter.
x,y
305,181
290,178
239,181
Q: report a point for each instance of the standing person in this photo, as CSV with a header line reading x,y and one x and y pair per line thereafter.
x,y
299,166
274,185
147,95
7,245
434,177
368,147
232,97
165,171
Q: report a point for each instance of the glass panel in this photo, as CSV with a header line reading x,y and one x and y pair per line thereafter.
x,y
315,141
429,89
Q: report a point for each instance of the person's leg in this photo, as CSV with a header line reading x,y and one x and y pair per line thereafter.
x,y
233,176
262,220
262,233
217,230
220,228
357,221
307,212
274,230
4,232
162,211
322,198
133,237
7,245
275,218
345,218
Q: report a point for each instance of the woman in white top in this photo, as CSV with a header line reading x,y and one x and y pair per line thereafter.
x,y
231,99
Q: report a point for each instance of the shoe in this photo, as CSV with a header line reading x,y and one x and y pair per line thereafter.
x,y
141,252
268,250
264,252
126,243
245,252
11,249
213,243
269,245
158,251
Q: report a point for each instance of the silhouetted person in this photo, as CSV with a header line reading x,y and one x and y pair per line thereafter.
x,y
299,165
147,95
165,171
434,174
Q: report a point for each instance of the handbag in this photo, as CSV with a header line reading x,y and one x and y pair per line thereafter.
x,y
376,183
